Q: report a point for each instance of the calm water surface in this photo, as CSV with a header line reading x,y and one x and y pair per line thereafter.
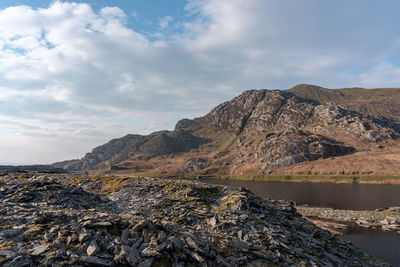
x,y
381,244
337,196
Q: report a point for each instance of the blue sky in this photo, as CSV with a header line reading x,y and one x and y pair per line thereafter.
x,y
143,15
75,74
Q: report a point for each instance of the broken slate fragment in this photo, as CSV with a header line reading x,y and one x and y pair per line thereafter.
x,y
37,250
92,249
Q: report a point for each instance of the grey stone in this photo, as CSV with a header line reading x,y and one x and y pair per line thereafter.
x,y
37,250
195,256
131,254
95,261
178,243
222,261
138,242
141,225
146,263
191,243
92,249
19,261
384,222
124,236
239,234
48,237
83,237
162,236
149,252
212,221
7,253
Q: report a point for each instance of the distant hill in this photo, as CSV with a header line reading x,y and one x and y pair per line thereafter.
x,y
261,132
4,169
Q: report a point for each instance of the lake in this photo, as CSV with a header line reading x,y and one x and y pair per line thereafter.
x,y
337,196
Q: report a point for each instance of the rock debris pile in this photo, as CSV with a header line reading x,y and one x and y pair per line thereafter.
x,y
153,222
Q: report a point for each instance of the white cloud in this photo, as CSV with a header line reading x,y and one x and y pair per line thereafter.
x,y
76,77
19,21
165,21
384,75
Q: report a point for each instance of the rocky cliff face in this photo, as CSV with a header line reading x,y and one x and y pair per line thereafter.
x,y
265,111
263,129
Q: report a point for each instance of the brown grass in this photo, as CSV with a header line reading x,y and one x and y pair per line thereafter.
x,y
361,164
383,101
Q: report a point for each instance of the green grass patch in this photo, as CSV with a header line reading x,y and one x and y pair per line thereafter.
x,y
108,184
229,143
22,176
33,231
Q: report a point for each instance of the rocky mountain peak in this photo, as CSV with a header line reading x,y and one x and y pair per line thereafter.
x,y
233,116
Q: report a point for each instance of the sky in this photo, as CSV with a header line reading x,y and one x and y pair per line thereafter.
x,y
74,75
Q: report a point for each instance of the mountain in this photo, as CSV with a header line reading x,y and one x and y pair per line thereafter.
x,y
257,132
155,144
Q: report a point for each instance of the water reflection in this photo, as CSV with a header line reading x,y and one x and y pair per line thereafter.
x,y
382,244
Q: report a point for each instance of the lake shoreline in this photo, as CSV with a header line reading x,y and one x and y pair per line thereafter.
x,y
334,179
339,221
291,178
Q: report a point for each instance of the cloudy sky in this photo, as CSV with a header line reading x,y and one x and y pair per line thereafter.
x,y
75,74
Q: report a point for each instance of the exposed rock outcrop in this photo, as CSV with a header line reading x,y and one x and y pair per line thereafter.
x,y
264,111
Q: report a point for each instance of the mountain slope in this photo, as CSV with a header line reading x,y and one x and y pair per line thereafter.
x,y
257,131
119,150
382,102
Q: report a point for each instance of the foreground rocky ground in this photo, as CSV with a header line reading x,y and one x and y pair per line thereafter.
x,y
61,220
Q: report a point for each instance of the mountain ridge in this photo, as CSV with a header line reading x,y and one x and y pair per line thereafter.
x,y
257,131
